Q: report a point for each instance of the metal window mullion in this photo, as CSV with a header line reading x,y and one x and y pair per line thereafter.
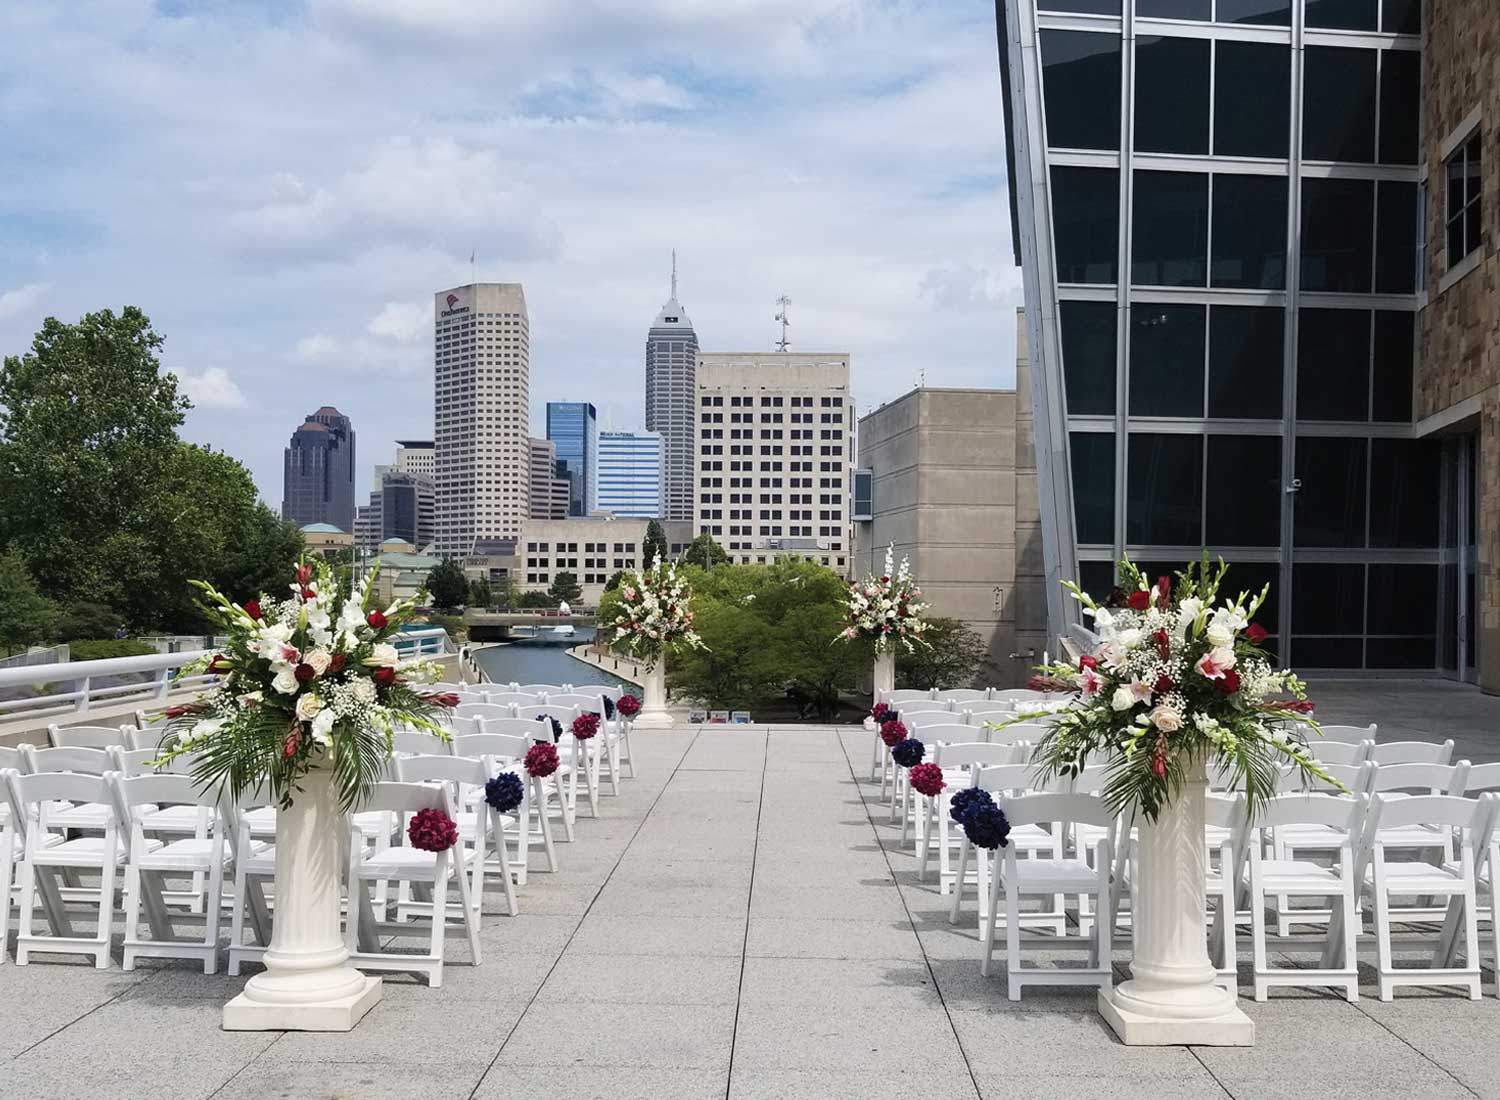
x,y
1126,243
1289,338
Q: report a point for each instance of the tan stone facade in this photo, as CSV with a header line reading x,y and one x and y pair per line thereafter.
x,y
1458,373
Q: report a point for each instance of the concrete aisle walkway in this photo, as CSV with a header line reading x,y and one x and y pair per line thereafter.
x,y
734,925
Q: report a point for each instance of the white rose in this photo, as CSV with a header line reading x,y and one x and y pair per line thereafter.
x,y
322,726
285,682
1166,719
1130,638
1219,633
308,707
1122,699
320,659
386,656
364,690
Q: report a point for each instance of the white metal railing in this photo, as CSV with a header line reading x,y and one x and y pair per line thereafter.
x,y
76,687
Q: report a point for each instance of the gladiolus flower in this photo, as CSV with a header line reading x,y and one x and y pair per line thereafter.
x,y
304,574
377,619
309,594
1163,591
1159,765
444,699
338,662
385,677
252,608
1256,633
1163,644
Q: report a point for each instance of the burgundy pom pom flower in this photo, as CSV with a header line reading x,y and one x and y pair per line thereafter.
x,y
628,705
892,733
432,831
879,712
541,760
585,726
926,779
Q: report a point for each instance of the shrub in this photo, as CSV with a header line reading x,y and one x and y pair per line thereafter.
x,y
104,649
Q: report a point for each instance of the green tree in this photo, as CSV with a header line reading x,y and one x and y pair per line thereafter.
x,y
654,545
952,658
88,620
26,616
565,588
705,552
447,585
535,598
740,667
507,593
615,580
480,594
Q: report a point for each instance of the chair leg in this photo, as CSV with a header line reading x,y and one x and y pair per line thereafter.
x,y
987,939
1470,903
215,905
510,890
105,930
237,920
440,919
540,802
132,902
471,915
7,873
1013,981
958,880
29,872
1350,934
1258,930
1383,936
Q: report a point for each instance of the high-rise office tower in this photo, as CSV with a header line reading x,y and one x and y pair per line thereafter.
x,y
481,358
318,471
631,473
573,428
671,360
1215,205
549,490
775,450
415,456
403,500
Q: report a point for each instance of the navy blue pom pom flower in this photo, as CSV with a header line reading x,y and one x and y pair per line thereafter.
x,y
504,792
966,801
909,752
986,827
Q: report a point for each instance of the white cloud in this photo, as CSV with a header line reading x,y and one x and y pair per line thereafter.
x,y
211,388
22,300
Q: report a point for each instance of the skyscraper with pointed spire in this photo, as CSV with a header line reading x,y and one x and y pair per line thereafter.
x,y
671,367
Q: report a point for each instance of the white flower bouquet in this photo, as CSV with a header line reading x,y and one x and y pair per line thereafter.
x,y
886,609
655,613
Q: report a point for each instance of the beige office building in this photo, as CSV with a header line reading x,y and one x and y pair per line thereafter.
x,y
548,492
953,486
481,359
775,444
592,548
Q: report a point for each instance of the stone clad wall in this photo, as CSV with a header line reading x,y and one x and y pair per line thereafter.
x,y
1459,358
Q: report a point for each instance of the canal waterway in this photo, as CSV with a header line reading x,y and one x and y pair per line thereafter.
x,y
542,661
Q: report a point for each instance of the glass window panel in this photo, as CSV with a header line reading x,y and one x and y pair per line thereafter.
x,y
1170,229
1394,336
1244,361
1249,237
1403,599
1404,509
1346,15
1330,506
1088,7
1400,652
1252,97
1164,490
1174,9
1327,653
1081,89
1328,598
1243,504
1171,95
1333,364
1166,359
1338,104
1251,577
1401,16
1400,105
1093,468
1274,12
1395,237
1088,349
1086,224
1096,578
1337,224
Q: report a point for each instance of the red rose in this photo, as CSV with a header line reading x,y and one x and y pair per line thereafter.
x,y
338,662
292,743
304,574
385,676
377,619
1256,633
1301,706
1229,683
305,672
1087,661
1163,685
1138,600
178,711
309,594
252,608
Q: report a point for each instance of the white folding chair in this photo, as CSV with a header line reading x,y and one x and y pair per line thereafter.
x,y
505,752
89,737
1413,752
895,700
1276,879
246,819
914,721
957,757
573,755
958,698
596,759
479,827
1050,874
404,863
1382,879
510,699
1313,839
914,807
615,729
13,847
1351,735
1341,752
92,816
34,797
1004,782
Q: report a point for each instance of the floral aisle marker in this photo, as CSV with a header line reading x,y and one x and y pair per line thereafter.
x,y
887,611
656,618
311,692
1179,686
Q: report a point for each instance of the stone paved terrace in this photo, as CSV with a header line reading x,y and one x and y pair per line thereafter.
x,y
739,923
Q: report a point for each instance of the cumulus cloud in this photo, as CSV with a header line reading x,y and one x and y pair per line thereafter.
x,y
23,299
211,388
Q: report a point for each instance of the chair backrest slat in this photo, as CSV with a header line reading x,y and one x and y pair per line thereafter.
x,y
1037,809
512,698
88,737
504,746
1420,778
614,693
1352,735
1482,777
1337,811
80,760
965,754
1413,752
921,719
1340,752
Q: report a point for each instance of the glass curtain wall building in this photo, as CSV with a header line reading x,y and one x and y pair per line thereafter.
x,y
632,473
574,427
1216,207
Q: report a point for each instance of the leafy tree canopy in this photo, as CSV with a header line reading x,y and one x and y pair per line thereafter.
x,y
705,552
446,585
565,588
953,658
26,616
654,545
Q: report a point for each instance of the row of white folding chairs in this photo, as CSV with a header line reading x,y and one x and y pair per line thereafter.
x,y
930,726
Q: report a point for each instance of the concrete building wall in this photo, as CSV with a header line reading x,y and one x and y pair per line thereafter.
x,y
592,548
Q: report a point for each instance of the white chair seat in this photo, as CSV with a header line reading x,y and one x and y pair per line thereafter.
x,y
191,854
1031,838
1298,876
1412,836
83,815
85,851
1046,876
1419,878
407,861
261,821
1311,837
171,819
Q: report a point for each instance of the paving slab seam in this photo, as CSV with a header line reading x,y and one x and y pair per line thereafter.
x,y
74,1020
259,1054
1209,1070
739,993
910,920
584,915
1360,1008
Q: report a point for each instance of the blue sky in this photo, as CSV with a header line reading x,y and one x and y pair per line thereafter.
x,y
282,185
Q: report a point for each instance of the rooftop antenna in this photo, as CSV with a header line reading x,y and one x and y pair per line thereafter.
x,y
783,343
922,378
674,274
472,253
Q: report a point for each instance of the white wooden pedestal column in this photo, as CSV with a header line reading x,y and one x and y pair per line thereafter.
x,y
654,714
885,672
308,984
1171,998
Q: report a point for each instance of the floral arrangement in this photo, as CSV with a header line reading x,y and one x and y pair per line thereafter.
x,y
883,713
308,680
655,615
886,609
909,752
541,760
504,792
966,800
983,821
927,779
431,830
892,732
586,725
628,706
1177,678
